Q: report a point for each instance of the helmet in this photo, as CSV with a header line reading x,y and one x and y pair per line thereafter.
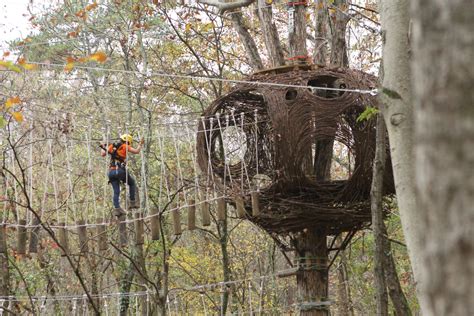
x,y
126,138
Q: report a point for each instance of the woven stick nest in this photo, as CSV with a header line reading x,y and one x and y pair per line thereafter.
x,y
274,133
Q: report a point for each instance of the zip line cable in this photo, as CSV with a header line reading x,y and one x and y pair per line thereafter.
x,y
372,92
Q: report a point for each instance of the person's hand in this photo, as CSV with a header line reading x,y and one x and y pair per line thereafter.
x,y
142,141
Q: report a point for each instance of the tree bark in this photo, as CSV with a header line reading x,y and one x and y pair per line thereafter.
x,y
270,34
338,39
395,291
297,33
4,268
378,226
247,40
321,37
345,307
223,241
443,74
396,97
312,280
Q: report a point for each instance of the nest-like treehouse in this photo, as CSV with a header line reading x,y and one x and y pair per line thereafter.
x,y
281,136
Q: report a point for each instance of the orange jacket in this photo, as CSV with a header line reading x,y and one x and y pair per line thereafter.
x,y
121,151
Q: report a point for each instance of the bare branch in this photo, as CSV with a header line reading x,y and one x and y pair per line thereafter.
x,y
223,5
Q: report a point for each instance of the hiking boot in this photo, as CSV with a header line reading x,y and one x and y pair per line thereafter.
x,y
134,204
118,212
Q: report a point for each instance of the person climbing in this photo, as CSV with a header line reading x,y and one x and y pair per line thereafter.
x,y
118,172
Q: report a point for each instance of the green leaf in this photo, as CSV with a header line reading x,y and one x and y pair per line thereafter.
x,y
3,122
368,113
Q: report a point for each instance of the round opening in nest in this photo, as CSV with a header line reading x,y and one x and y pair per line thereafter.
x,y
326,81
234,145
291,95
342,164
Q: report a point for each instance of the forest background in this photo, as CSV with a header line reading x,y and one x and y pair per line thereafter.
x,y
56,90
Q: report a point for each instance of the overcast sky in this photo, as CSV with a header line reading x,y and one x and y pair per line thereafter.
x,y
14,18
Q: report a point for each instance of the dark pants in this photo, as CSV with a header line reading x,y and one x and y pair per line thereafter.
x,y
120,175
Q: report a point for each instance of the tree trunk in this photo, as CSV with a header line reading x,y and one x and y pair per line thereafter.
x,y
338,30
378,226
4,269
223,241
443,74
297,33
396,107
270,34
247,40
312,280
386,277
343,287
321,38
398,298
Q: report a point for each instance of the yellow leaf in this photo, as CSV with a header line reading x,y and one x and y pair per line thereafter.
x,y
100,57
91,6
12,101
188,27
69,66
30,66
17,116
6,54
9,65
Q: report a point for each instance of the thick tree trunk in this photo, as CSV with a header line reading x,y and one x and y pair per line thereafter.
x,y
397,110
297,33
270,34
312,280
338,30
378,226
443,74
247,40
321,37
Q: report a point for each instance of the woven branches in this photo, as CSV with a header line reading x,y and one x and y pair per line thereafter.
x,y
268,138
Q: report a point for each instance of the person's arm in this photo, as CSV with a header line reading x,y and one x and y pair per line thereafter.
x,y
136,150
103,153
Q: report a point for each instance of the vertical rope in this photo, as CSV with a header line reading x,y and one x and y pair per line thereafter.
x,y
179,180
89,171
30,174
168,304
106,160
203,304
106,306
127,189
210,174
250,299
147,303
144,182
224,148
256,147
261,296
194,161
16,213
70,187
55,185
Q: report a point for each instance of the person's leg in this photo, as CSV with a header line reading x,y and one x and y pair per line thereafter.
x,y
132,186
115,182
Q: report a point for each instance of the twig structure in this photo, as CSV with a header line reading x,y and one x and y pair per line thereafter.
x,y
278,154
